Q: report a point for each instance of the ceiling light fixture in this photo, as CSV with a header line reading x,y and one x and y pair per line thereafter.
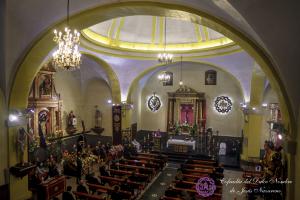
x,y
164,76
67,56
165,57
181,82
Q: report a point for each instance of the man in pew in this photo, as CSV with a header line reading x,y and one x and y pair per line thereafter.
x,y
115,195
126,186
81,187
67,195
103,170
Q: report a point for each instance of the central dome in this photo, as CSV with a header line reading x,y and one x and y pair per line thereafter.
x,y
147,33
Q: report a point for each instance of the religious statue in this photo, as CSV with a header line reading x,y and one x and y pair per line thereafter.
x,y
71,123
272,168
272,161
21,142
98,121
98,118
43,127
45,87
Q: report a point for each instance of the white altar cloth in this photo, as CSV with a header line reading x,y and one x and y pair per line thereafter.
x,y
182,142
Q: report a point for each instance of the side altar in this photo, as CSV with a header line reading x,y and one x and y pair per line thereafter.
x,y
46,105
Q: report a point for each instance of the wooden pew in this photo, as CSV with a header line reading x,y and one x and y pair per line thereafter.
x,y
116,181
190,177
161,162
140,163
202,162
194,192
197,171
82,195
126,173
105,189
153,155
193,185
170,198
146,158
151,170
193,166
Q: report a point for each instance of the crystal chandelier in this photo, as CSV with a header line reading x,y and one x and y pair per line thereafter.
x,y
165,57
67,56
164,76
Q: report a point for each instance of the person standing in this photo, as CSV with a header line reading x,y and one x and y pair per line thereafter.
x,y
79,167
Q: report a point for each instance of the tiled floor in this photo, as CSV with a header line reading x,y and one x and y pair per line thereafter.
x,y
230,191
158,187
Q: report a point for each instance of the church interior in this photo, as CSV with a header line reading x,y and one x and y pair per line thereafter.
x,y
149,100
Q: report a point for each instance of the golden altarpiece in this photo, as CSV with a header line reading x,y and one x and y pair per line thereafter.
x,y
186,108
46,105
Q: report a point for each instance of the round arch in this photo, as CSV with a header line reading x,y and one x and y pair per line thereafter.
x,y
112,77
44,44
134,83
33,58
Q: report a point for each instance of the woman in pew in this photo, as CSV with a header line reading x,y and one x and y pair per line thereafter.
x,y
115,195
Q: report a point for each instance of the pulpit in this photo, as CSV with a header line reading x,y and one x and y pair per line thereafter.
x,y
50,188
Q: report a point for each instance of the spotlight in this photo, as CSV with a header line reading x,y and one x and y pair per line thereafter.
x,y
109,101
12,117
253,108
180,82
264,105
279,136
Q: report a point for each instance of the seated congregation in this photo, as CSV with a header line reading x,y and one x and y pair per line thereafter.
x,y
102,172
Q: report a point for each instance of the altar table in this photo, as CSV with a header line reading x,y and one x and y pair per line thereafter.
x,y
181,143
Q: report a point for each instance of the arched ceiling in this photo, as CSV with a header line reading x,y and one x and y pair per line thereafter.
x,y
152,33
259,26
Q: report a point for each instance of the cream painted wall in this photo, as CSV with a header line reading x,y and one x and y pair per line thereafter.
x,y
81,91
137,104
193,76
97,93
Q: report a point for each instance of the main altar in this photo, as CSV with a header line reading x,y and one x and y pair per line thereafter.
x,y
186,118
